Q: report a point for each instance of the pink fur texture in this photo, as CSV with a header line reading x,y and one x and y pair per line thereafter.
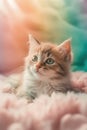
x,y
58,112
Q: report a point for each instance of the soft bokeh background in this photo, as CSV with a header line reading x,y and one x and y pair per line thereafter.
x,y
48,20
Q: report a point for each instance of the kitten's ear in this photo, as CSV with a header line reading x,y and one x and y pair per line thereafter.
x,y
65,50
66,45
33,42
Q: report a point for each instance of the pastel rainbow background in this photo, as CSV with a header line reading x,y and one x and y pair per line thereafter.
x,y
48,20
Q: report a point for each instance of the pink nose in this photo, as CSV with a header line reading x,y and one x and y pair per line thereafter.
x,y
38,66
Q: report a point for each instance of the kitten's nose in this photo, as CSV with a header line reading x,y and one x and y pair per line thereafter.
x,y
38,66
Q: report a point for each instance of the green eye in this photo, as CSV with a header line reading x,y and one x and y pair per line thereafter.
x,y
35,58
50,61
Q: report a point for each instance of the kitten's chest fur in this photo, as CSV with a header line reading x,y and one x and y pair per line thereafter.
x,y
34,88
40,87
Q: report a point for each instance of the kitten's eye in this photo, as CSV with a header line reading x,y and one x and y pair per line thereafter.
x,y
50,61
35,58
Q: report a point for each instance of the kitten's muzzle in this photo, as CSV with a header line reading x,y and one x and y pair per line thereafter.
x,y
38,66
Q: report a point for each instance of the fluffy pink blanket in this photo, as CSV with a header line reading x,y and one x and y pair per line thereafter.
x,y
58,112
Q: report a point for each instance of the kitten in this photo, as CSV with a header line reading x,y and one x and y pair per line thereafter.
x,y
47,69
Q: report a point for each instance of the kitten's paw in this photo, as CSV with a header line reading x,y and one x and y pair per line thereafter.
x,y
8,89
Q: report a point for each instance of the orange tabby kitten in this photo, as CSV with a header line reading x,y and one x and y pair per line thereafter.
x,y
46,69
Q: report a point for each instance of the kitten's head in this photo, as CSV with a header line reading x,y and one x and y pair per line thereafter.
x,y
47,61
